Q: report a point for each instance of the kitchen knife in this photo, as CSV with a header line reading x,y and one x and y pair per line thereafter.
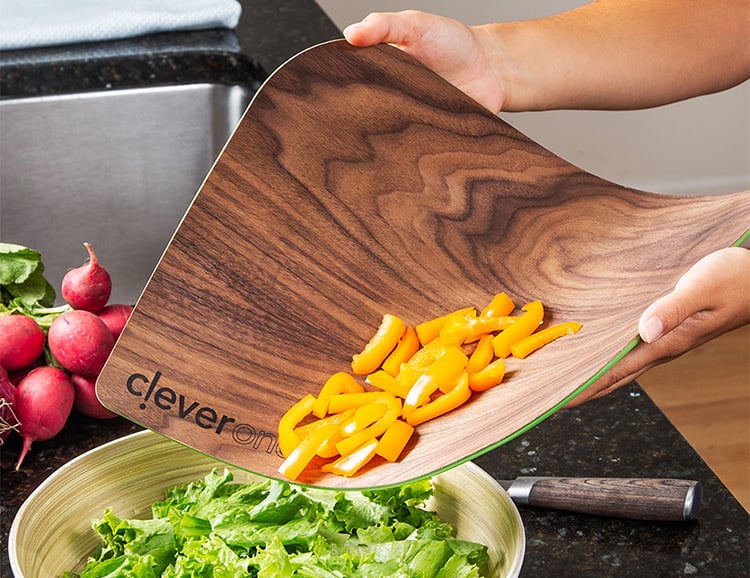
x,y
633,498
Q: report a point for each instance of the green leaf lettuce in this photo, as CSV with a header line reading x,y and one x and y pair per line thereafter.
x,y
271,529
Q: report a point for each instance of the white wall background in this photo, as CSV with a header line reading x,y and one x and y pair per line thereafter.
x,y
700,146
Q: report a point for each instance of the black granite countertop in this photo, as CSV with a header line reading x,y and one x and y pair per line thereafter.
x,y
267,34
622,435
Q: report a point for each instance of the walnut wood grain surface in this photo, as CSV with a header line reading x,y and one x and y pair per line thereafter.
x,y
360,183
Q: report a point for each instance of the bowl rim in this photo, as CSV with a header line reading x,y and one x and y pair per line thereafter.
x,y
469,466
41,488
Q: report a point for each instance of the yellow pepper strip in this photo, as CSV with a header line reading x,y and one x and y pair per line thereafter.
x,y
340,382
429,330
380,345
441,373
387,382
343,401
525,326
407,377
377,428
305,451
487,377
337,418
394,440
486,325
350,464
457,331
328,448
288,438
427,355
500,306
407,346
364,416
481,356
529,344
441,404
418,364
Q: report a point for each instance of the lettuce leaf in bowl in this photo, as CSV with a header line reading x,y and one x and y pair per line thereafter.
x,y
270,529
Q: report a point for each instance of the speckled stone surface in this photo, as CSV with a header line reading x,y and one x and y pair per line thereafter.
x,y
622,435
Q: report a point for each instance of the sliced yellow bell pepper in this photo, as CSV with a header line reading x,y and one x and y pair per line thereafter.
x,y
385,381
377,428
343,401
350,464
482,355
407,346
458,330
428,354
380,345
500,306
306,450
419,363
525,326
328,448
442,404
421,373
455,326
288,438
529,344
394,440
364,416
340,382
488,376
439,375
429,330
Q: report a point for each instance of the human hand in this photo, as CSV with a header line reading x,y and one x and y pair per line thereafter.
x,y
713,297
458,53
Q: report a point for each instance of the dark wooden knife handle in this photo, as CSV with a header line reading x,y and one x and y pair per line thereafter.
x,y
633,498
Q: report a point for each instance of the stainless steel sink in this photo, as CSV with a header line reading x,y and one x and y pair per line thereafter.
x,y
117,169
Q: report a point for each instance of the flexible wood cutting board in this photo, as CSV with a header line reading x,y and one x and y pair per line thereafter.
x,y
359,183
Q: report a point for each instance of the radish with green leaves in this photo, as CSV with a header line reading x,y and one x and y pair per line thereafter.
x,y
44,399
89,286
21,341
80,342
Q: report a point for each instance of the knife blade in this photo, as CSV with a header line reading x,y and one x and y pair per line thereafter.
x,y
661,499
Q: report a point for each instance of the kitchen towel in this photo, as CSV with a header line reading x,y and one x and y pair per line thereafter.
x,y
35,23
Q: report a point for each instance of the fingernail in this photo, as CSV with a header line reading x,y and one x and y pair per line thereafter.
x,y
652,329
351,28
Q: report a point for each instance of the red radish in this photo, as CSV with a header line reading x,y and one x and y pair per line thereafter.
x,y
89,286
86,401
8,421
21,341
17,375
44,399
115,317
80,341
